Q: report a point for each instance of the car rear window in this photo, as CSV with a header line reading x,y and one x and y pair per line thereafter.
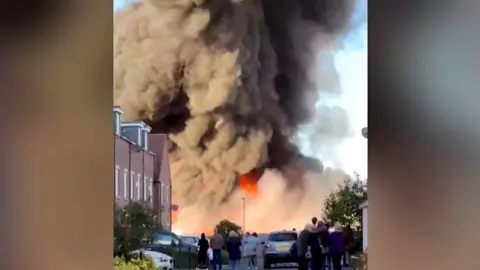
x,y
190,240
282,237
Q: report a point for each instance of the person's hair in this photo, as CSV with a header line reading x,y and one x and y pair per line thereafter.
x,y
337,226
248,233
203,236
293,229
254,234
232,234
314,220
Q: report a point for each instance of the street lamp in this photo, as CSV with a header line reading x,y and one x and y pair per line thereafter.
x,y
244,214
244,222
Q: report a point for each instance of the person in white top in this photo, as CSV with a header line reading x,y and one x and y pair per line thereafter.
x,y
251,246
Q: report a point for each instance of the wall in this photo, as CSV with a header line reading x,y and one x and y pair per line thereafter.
x,y
159,146
139,167
365,226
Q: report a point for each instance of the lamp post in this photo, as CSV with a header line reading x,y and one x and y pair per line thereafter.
x,y
244,215
244,222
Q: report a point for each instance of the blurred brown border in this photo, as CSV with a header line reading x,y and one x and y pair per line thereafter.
x,y
57,189
423,180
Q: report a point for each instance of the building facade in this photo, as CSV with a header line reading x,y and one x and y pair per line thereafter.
x,y
141,172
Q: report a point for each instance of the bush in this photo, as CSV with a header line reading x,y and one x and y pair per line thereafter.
x,y
134,264
134,226
225,226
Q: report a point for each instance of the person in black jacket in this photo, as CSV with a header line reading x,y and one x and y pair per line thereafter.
x,y
233,246
319,243
349,241
301,247
202,252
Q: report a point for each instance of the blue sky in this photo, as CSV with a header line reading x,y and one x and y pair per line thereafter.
x,y
351,63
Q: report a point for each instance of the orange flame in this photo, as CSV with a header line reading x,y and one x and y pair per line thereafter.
x,y
248,181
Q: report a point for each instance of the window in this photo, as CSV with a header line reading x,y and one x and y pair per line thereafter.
x,y
150,189
125,182
282,237
132,175
117,195
145,198
190,240
139,179
175,240
163,238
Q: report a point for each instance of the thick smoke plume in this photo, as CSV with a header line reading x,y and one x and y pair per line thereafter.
x,y
230,81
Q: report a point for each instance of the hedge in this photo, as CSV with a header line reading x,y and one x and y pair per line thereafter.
x,y
134,264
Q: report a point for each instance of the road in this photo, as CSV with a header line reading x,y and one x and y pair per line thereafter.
x,y
260,266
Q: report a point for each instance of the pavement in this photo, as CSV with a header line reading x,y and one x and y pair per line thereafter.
x,y
243,266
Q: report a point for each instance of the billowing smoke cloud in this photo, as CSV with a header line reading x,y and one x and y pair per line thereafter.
x,y
230,81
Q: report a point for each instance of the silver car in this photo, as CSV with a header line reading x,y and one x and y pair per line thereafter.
x,y
192,240
277,248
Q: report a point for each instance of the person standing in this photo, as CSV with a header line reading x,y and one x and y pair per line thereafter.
x,y
254,242
217,243
233,247
349,241
319,243
328,262
314,221
202,252
301,247
337,246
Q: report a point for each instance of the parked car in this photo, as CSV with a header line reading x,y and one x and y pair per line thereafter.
x,y
277,248
192,240
164,242
162,261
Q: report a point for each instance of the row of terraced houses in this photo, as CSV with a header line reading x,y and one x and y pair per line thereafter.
x,y
142,171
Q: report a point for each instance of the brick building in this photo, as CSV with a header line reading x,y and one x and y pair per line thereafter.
x,y
142,171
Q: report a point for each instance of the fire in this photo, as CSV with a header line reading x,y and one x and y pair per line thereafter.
x,y
248,181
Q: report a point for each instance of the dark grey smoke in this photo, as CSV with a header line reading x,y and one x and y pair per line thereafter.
x,y
230,81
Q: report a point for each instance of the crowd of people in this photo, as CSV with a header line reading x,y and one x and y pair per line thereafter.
x,y
318,247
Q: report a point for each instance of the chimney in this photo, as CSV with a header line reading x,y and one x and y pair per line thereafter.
x,y
117,113
145,131
136,132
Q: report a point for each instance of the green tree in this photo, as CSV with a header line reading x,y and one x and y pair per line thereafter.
x,y
343,204
134,225
225,226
